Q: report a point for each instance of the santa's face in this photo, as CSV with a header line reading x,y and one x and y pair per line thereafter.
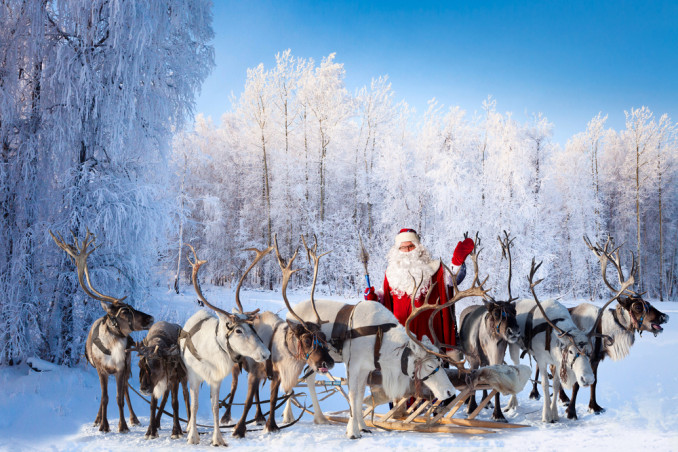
x,y
405,262
406,247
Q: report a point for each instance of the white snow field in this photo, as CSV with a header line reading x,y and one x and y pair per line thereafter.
x,y
54,409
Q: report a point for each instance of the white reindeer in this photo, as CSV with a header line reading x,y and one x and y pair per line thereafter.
x,y
210,346
565,346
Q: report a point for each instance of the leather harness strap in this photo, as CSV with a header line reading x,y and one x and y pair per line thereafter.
x,y
341,332
531,331
183,334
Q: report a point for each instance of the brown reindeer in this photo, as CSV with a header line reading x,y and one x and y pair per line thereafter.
x,y
292,345
161,371
108,339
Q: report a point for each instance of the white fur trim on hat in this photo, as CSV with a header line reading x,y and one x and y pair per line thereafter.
x,y
407,237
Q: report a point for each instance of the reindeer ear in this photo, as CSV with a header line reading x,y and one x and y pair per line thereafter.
x,y
625,302
106,306
297,328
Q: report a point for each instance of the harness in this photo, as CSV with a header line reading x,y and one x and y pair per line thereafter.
x,y
269,361
403,366
191,347
341,332
531,332
97,341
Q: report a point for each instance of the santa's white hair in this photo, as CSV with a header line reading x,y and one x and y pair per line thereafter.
x,y
402,266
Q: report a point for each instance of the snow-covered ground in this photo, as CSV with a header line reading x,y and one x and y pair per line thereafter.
x,y
54,409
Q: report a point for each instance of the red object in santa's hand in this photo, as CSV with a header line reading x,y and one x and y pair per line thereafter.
x,y
462,250
370,295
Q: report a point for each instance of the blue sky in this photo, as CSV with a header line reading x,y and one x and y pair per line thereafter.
x,y
566,59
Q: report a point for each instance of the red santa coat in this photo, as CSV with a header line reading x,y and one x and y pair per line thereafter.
x,y
400,305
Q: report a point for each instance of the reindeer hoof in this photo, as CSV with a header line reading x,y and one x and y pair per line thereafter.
x,y
320,420
364,430
104,428
596,409
534,395
239,431
135,421
572,416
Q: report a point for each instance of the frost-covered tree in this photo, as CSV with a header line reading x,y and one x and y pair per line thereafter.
x,y
96,89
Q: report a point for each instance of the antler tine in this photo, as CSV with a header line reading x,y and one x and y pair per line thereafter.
x,y
195,265
534,284
624,287
603,257
79,254
311,253
287,272
506,254
259,256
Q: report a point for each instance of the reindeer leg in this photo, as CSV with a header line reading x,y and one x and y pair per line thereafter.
x,y
226,418
288,416
489,404
534,394
121,383
497,415
176,428
546,408
593,405
152,431
514,353
562,396
572,405
318,416
252,388
184,389
217,437
161,408
271,425
259,418
554,396
193,437
133,420
103,419
356,381
471,403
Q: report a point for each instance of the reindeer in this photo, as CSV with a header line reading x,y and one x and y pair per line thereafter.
x,y
632,314
563,345
210,346
108,340
161,370
292,345
486,330
368,337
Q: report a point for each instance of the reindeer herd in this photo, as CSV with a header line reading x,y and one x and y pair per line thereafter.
x,y
567,346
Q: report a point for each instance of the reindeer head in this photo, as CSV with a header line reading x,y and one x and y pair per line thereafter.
x,y
158,366
644,316
501,318
424,367
234,333
576,364
120,316
312,346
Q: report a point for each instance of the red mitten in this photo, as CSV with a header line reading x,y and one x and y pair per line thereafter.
x,y
462,250
370,295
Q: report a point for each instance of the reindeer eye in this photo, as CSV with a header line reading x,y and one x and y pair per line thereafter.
x,y
637,308
238,331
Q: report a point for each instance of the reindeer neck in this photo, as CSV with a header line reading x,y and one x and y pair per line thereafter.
x,y
623,321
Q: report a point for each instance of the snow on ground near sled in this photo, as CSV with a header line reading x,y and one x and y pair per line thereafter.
x,y
55,409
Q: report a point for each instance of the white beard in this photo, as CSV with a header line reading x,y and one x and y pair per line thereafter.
x,y
403,266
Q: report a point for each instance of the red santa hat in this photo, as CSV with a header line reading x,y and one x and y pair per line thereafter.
x,y
407,235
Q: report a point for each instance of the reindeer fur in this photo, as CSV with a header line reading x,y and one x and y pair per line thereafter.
x,y
215,362
358,355
562,354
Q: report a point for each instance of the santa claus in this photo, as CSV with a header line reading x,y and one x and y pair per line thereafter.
x,y
409,258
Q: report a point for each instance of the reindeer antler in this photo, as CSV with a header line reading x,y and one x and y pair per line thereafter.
x,y
311,253
604,256
259,255
506,254
287,272
196,263
79,253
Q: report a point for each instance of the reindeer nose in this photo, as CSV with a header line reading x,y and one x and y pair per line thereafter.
x,y
665,318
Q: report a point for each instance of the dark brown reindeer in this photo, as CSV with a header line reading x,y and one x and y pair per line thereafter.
x,y
292,345
161,371
486,330
108,339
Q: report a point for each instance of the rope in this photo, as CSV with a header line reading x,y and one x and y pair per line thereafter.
x,y
283,399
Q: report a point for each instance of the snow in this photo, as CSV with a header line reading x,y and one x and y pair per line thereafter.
x,y
53,407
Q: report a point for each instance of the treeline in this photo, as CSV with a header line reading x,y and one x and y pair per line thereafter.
x,y
299,154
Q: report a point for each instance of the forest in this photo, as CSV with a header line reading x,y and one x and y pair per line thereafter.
x,y
99,132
